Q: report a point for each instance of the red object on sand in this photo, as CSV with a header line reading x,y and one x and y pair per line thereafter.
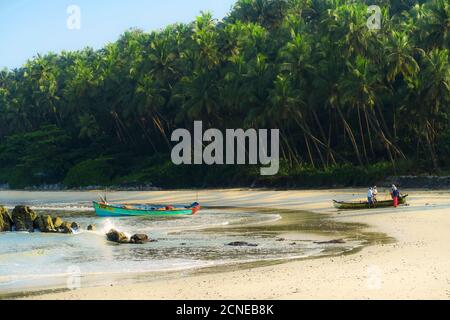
x,y
395,202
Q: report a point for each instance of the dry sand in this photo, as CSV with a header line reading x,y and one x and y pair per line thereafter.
x,y
416,266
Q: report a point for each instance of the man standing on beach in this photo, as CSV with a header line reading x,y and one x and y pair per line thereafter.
x,y
370,197
395,193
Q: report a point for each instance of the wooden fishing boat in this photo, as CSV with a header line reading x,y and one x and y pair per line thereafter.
x,y
104,209
343,205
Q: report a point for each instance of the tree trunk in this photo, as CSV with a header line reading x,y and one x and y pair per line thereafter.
x,y
322,132
362,136
369,132
309,151
431,148
350,133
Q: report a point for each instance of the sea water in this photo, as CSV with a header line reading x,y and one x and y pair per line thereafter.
x,y
38,260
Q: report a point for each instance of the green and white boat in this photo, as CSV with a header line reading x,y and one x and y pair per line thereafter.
x,y
104,209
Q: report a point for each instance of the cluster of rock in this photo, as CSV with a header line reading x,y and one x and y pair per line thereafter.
x,y
241,244
120,237
336,241
23,218
5,220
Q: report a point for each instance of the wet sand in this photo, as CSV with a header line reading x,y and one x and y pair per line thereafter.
x,y
415,266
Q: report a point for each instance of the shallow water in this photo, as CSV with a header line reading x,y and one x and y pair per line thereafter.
x,y
39,260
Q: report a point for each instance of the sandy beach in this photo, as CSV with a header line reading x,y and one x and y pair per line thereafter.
x,y
415,266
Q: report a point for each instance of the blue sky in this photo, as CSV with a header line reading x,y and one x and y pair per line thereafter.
x,y
28,27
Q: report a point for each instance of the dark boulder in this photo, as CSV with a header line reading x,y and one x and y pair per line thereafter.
x,y
66,227
116,236
6,222
23,218
57,222
241,244
75,226
337,241
139,239
91,227
45,224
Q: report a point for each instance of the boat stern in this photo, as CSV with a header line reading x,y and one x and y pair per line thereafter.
x,y
195,207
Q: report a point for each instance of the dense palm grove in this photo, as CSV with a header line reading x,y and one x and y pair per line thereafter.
x,y
352,104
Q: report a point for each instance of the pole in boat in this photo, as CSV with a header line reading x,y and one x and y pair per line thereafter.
x,y
103,197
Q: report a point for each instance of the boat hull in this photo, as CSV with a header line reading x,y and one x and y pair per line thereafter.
x,y
106,210
342,205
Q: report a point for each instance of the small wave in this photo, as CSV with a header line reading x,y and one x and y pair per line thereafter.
x,y
57,207
64,208
157,267
268,218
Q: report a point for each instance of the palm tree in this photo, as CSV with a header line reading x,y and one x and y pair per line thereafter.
x,y
435,27
268,13
400,57
339,92
430,98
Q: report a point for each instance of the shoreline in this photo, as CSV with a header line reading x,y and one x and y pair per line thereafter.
x,y
291,227
416,266
419,182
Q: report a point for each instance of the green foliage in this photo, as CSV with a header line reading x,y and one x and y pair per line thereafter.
x,y
160,172
344,97
336,176
444,145
36,157
93,172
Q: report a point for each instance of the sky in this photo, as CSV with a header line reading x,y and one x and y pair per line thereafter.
x,y
29,27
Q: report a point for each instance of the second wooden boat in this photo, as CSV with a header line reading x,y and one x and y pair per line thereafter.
x,y
344,205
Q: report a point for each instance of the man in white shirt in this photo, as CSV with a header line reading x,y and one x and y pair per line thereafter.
x,y
370,197
374,194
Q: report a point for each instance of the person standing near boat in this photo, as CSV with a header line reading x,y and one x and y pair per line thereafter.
x,y
395,193
370,197
375,193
